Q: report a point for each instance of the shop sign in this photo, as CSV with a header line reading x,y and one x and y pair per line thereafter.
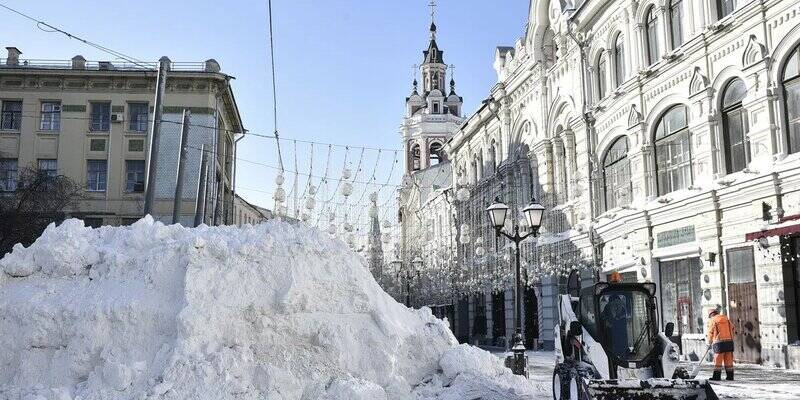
x,y
675,236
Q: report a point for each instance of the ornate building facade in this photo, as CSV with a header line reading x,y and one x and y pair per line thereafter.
x,y
662,136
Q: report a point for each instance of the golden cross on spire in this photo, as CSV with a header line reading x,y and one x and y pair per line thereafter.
x,y
432,5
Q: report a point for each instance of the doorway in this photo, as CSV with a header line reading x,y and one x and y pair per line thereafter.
x,y
499,318
791,285
743,304
681,295
531,319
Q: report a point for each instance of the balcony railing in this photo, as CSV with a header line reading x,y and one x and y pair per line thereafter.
x,y
104,65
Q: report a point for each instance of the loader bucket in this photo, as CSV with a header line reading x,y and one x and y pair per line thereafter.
x,y
651,389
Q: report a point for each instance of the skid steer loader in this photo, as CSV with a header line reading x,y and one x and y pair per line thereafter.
x,y
608,346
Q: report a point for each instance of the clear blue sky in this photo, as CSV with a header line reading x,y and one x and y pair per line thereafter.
x,y
344,67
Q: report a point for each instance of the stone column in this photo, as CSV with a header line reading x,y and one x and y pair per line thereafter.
x,y
558,170
705,139
544,155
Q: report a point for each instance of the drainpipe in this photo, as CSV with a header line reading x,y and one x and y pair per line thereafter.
x,y
233,178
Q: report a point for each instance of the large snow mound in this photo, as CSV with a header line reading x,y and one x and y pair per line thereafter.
x,y
275,311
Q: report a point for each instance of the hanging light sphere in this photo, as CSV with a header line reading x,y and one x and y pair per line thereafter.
x,y
385,238
347,189
462,194
351,240
310,203
346,173
332,229
480,251
305,217
507,257
312,190
373,197
332,217
462,180
387,224
464,238
280,194
348,227
373,212
279,180
281,210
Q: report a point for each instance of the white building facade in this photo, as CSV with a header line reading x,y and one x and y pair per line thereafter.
x,y
662,136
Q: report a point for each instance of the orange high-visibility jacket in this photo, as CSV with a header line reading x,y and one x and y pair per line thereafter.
x,y
720,329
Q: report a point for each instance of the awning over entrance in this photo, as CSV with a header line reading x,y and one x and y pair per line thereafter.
x,y
788,226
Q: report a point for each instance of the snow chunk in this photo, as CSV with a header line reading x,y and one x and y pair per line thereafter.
x,y
269,311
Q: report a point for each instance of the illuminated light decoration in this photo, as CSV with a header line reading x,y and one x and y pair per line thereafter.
x,y
480,251
386,238
332,217
387,224
280,194
462,180
312,190
373,197
279,180
346,173
347,189
332,229
348,227
305,217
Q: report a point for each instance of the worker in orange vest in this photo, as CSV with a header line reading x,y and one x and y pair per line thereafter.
x,y
720,337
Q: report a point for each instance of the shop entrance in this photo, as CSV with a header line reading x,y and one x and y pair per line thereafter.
x,y
681,295
743,304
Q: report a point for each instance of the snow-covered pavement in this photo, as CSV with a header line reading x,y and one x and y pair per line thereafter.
x,y
752,381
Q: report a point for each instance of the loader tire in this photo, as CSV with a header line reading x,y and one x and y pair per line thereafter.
x,y
568,384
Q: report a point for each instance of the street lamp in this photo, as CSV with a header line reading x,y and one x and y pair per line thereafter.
x,y
498,212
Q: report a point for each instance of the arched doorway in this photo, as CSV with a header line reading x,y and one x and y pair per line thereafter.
x,y
531,304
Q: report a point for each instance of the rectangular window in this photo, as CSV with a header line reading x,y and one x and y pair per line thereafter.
x,y
134,176
93,222
793,115
726,7
8,174
47,167
96,175
138,117
101,117
51,116
11,119
736,130
741,265
97,145
674,163
136,145
676,23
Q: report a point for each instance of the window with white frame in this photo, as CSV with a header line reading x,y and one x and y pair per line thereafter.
x,y
676,23
96,175
51,116
138,115
651,35
134,176
617,174
11,119
47,167
8,174
100,117
673,151
734,127
619,60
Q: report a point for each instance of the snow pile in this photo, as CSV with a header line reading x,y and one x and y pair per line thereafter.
x,y
274,311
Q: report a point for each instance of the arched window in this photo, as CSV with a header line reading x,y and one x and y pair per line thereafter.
x,y
676,23
725,7
415,158
737,153
493,157
673,151
791,94
617,174
435,153
651,35
619,61
602,73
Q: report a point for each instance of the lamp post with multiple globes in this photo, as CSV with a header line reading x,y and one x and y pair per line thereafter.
x,y
498,213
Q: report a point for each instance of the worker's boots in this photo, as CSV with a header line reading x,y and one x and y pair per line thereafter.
x,y
717,376
729,375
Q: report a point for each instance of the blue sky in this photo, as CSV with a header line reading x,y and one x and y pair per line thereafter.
x,y
344,67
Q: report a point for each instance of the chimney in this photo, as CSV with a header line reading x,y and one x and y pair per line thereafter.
x,y
212,65
13,56
78,62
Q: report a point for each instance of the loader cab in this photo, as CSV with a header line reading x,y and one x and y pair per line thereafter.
x,y
621,317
